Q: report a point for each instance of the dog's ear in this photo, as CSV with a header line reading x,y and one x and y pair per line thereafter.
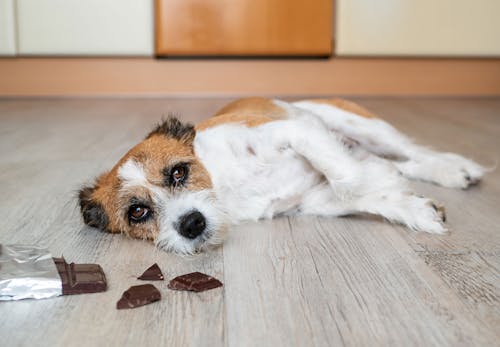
x,y
174,128
92,211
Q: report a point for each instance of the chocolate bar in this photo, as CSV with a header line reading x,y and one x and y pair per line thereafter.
x,y
80,278
153,273
195,281
137,296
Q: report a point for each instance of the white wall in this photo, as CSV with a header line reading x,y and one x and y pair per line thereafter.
x,y
85,27
418,27
7,28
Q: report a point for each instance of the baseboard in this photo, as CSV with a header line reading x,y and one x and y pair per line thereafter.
x,y
336,76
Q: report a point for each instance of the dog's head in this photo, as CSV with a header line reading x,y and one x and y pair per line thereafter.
x,y
158,191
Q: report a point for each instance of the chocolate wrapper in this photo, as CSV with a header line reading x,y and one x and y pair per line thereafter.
x,y
27,272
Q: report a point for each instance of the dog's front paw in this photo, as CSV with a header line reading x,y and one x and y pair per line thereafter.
x,y
415,212
427,215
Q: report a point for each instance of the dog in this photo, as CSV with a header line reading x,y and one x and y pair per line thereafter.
x,y
184,186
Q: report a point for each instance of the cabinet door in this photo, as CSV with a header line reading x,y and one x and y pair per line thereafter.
x,y
418,27
243,27
85,27
7,28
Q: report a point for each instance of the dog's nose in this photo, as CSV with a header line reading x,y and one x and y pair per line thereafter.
x,y
192,225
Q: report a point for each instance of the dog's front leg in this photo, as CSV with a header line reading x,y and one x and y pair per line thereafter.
x,y
369,186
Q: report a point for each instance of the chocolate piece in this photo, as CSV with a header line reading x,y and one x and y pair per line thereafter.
x,y
195,281
137,296
153,273
80,278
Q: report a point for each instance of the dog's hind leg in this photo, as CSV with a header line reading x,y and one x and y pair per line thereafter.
x,y
370,185
416,212
380,138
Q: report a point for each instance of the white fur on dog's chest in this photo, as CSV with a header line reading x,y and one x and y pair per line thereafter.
x,y
252,176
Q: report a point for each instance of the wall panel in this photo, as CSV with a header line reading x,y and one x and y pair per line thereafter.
x,y
90,27
418,27
7,28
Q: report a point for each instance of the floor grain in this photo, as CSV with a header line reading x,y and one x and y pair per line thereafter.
x,y
291,281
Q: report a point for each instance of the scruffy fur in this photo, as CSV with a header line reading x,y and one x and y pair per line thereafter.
x,y
260,158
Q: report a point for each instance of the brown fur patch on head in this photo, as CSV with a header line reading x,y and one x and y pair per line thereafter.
x,y
249,111
174,128
105,205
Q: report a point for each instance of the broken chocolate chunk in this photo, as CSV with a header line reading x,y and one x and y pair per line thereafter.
x,y
80,278
137,296
153,273
195,281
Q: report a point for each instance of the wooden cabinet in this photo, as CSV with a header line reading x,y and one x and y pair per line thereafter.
x,y
444,28
243,27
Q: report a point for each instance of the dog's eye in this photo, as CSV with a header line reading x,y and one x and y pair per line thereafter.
x,y
138,213
178,174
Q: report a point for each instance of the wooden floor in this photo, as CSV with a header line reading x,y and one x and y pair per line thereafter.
x,y
287,282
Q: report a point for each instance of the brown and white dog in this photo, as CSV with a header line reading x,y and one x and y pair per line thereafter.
x,y
183,186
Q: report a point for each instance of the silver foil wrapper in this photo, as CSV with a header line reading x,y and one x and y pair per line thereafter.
x,y
27,272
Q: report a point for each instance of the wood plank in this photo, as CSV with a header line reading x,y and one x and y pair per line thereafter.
x,y
148,77
474,277
42,176
467,258
337,281
297,281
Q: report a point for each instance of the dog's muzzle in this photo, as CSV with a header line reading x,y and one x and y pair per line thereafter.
x,y
192,225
